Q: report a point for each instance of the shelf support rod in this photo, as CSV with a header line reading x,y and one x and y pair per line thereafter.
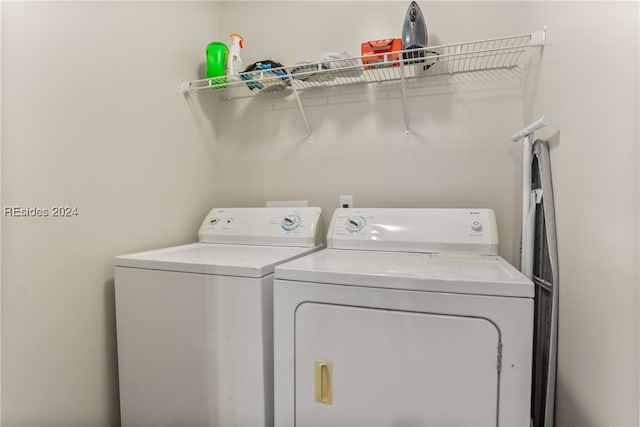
x,y
407,132
302,113
528,197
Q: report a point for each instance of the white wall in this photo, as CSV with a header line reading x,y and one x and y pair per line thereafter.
x,y
459,153
0,221
92,118
589,86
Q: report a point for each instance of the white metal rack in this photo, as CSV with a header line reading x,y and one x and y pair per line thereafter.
x,y
489,54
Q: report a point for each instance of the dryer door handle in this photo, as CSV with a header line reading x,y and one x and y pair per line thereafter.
x,y
324,380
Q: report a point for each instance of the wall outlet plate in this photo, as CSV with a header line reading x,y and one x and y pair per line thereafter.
x,y
346,202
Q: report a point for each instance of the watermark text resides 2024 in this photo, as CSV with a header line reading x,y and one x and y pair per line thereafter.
x,y
36,212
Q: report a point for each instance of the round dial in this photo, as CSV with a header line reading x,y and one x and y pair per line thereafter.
x,y
476,226
291,222
355,223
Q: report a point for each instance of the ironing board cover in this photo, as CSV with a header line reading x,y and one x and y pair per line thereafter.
x,y
545,276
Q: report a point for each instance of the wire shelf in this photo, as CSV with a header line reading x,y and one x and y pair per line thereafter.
x,y
503,53
489,54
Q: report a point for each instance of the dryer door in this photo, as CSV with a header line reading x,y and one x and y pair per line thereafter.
x,y
370,367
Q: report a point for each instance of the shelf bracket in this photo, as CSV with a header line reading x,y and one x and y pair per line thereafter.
x,y
304,116
539,38
407,132
185,85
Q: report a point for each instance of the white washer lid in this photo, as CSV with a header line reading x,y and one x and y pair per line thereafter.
x,y
208,258
463,274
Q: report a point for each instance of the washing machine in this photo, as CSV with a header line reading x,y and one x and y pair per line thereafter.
x,y
194,322
409,317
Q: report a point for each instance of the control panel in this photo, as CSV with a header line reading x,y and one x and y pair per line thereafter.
x,y
415,230
296,226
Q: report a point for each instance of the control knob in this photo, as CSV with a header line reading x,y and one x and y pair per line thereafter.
x,y
355,223
290,222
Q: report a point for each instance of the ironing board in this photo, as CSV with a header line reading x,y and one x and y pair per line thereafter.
x,y
545,277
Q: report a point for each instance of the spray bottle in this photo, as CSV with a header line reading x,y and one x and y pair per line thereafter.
x,y
234,63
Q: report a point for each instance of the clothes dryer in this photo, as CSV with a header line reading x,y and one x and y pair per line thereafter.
x,y
408,318
194,322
